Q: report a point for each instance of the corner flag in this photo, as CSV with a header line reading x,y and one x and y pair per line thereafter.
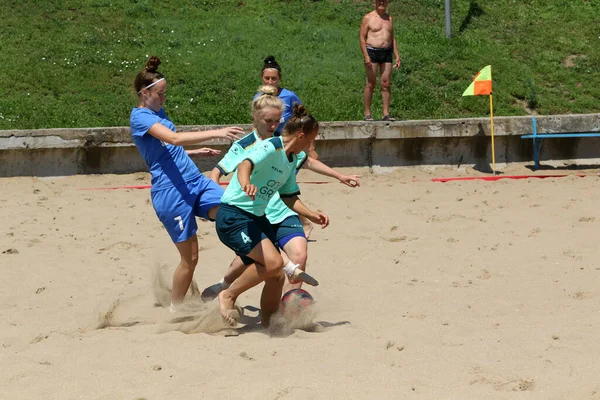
x,y
482,83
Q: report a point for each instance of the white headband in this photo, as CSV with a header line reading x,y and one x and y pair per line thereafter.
x,y
152,84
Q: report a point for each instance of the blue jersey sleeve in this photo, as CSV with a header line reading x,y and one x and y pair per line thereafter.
x,y
142,120
141,123
295,99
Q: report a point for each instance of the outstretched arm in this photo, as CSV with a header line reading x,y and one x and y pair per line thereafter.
x,y
163,133
295,204
204,151
320,168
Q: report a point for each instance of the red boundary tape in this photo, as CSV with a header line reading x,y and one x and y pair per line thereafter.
x,y
498,177
148,186
465,178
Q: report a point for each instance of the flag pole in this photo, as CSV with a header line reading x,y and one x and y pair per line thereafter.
x,y
492,124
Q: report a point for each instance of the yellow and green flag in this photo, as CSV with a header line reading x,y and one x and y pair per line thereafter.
x,y
482,83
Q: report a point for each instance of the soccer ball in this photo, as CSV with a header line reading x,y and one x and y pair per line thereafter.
x,y
296,300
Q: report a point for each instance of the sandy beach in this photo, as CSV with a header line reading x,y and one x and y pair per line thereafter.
x,y
457,290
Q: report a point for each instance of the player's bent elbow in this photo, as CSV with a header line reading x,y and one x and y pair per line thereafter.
x,y
175,140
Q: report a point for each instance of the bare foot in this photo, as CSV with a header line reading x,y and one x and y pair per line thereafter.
x,y
227,309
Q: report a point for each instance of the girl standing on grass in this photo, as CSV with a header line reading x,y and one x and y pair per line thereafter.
x,y
289,234
242,225
179,191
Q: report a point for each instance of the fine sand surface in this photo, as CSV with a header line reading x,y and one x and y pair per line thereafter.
x,y
458,290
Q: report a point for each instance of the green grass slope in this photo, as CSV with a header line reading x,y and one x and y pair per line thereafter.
x,y
72,63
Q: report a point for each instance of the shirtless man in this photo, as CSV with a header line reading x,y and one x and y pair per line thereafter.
x,y
377,44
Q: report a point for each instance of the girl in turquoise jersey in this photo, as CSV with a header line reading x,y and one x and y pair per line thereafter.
x,y
179,191
241,221
266,111
271,76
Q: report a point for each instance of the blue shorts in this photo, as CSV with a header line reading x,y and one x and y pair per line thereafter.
x,y
241,231
178,206
288,229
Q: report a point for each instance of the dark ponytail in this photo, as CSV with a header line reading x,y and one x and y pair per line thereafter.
x,y
148,75
269,63
300,121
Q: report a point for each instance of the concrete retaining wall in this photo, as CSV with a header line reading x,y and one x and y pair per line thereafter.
x,y
56,152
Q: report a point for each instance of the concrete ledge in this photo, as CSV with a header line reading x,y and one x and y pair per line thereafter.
x,y
51,152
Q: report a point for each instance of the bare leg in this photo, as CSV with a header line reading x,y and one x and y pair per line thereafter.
x,y
296,250
268,264
296,246
370,87
271,298
184,272
385,83
235,270
212,213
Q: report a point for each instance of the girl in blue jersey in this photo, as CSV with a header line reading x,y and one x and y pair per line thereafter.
x,y
289,234
242,224
271,76
179,191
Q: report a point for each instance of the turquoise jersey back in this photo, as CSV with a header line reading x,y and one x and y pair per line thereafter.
x,y
272,173
276,210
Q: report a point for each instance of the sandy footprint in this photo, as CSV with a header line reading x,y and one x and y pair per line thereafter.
x,y
516,384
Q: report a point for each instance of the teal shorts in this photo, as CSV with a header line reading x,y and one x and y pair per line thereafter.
x,y
288,229
241,231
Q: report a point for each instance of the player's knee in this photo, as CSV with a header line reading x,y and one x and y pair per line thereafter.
x,y
385,84
274,264
371,84
300,259
278,278
190,262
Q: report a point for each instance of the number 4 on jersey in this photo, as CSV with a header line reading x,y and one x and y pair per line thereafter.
x,y
246,238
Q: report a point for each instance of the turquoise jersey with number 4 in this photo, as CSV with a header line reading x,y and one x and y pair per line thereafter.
x,y
272,173
276,210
